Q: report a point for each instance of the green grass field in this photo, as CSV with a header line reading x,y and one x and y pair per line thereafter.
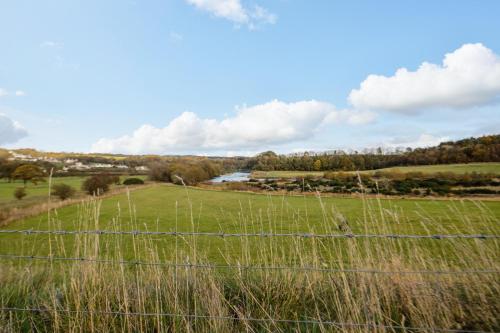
x,y
258,277
38,193
456,168
35,191
173,208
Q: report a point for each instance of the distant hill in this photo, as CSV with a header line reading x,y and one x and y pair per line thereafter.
x,y
482,149
469,150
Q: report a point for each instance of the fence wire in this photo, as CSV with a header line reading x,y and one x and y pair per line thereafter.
x,y
243,267
335,324
256,234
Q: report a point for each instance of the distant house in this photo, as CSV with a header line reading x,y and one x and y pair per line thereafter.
x,y
50,159
21,157
141,168
79,166
101,165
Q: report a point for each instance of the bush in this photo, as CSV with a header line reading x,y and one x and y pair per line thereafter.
x,y
133,181
20,193
97,184
63,191
159,172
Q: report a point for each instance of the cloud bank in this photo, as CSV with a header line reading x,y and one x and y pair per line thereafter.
x,y
10,130
468,77
234,11
275,122
423,140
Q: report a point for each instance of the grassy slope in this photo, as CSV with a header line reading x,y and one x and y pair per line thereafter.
x,y
456,168
33,191
37,193
162,207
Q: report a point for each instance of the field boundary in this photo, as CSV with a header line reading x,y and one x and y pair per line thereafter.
x,y
244,235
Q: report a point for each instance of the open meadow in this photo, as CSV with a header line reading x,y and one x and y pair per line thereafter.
x,y
176,258
37,193
454,168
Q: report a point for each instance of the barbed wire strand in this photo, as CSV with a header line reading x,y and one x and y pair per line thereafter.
x,y
243,267
263,320
257,234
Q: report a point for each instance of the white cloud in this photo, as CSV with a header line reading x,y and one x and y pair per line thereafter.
x,y
51,44
18,93
176,36
423,140
234,11
468,77
272,123
10,130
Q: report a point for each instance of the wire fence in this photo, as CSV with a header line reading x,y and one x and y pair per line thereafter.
x,y
334,324
243,235
216,266
245,267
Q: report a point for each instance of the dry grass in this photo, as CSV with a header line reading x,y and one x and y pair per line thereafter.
x,y
85,297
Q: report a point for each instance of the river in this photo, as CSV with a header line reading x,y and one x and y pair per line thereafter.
x,y
232,177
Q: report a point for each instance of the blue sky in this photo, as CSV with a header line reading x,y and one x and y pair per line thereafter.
x,y
239,77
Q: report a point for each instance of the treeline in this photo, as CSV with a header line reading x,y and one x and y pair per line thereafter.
x,y
483,149
185,171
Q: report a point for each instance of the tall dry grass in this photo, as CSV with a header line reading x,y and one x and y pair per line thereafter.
x,y
382,293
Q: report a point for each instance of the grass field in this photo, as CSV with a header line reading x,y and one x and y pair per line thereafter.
x,y
37,193
134,283
173,208
34,191
264,284
456,168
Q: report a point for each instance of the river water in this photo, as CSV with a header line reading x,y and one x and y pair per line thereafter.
x,y
232,177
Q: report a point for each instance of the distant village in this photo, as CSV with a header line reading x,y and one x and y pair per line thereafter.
x,y
72,164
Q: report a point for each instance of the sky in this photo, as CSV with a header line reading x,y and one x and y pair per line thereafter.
x,y
238,77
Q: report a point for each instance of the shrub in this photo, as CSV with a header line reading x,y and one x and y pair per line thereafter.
x,y
133,181
97,184
20,193
63,191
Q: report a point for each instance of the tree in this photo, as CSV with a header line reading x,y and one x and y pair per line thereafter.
x,y
63,191
7,168
97,184
29,172
159,171
20,193
317,165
